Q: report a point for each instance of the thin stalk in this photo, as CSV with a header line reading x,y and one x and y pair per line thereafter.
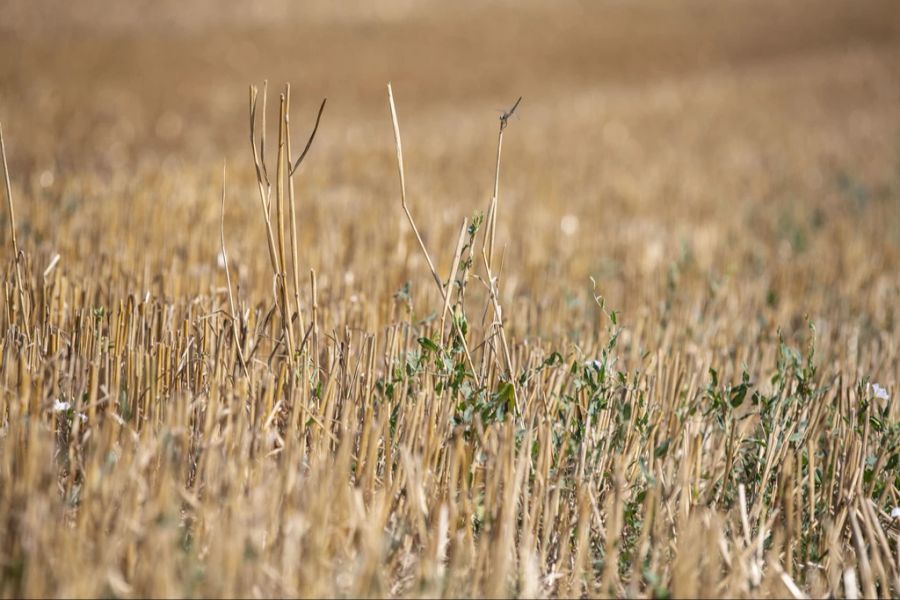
x,y
487,253
453,265
314,297
234,327
292,168
259,162
412,223
15,243
280,175
295,266
492,213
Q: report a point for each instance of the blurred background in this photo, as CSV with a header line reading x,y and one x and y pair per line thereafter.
x,y
681,153
165,76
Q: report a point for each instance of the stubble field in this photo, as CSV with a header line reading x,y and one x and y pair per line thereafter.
x,y
658,356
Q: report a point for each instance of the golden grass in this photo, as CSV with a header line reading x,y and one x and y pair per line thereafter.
x,y
638,360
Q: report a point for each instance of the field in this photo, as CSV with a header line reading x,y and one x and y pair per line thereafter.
x,y
651,349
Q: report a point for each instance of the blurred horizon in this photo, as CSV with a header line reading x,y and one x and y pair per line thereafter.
x,y
170,68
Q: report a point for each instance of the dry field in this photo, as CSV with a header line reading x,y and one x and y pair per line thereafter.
x,y
658,356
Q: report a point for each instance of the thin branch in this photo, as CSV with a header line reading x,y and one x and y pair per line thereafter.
x,y
437,279
312,136
412,223
291,198
504,118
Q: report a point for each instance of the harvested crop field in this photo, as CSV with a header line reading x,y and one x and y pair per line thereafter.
x,y
651,349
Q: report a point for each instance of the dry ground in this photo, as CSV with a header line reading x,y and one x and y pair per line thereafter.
x,y
723,172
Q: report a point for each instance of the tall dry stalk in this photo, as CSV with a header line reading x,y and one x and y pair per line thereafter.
x,y
487,253
276,238
17,256
281,283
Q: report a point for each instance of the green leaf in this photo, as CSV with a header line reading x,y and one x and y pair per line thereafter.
x,y
506,394
738,393
429,345
554,359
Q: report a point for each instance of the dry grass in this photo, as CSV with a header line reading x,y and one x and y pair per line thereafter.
x,y
640,359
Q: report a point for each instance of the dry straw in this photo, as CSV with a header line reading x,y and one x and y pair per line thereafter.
x,y
173,443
